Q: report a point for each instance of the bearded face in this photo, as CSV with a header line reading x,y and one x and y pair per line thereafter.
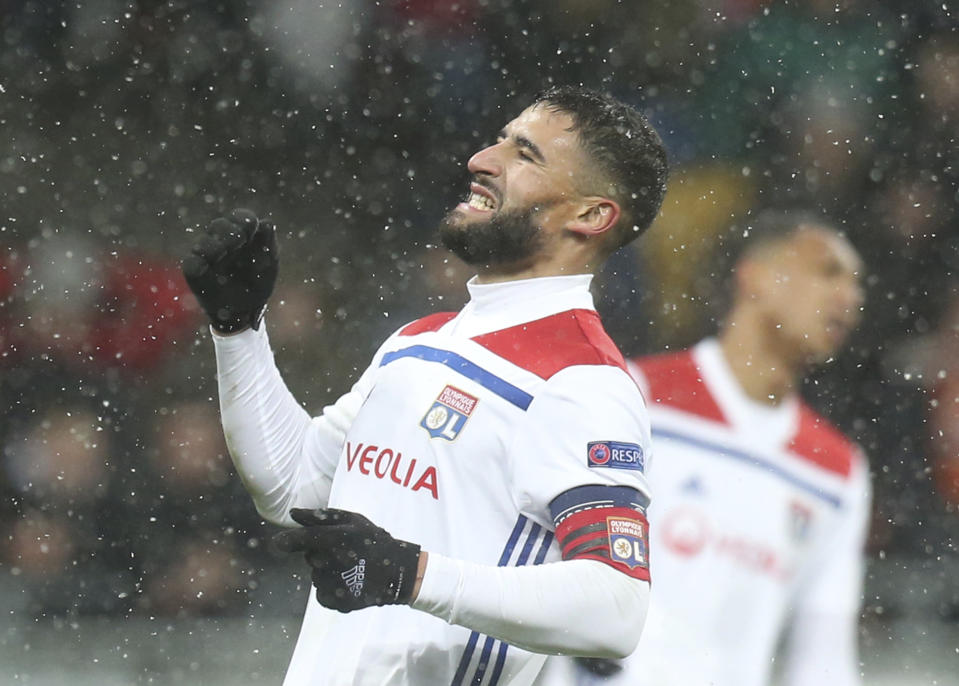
x,y
503,240
522,194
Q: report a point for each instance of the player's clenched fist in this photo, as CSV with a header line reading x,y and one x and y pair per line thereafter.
x,y
355,563
232,270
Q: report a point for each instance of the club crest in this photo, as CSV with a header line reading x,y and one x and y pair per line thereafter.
x,y
448,413
627,541
800,520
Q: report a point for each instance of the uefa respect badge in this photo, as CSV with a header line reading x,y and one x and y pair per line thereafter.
x,y
448,413
615,454
628,541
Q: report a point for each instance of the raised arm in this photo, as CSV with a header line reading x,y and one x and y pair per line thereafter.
x,y
284,457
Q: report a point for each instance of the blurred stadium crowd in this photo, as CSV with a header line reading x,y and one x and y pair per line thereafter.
x,y
128,123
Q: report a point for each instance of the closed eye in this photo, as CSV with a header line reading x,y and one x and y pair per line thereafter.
x,y
527,149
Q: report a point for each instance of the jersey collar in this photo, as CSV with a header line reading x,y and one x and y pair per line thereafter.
x,y
496,306
771,425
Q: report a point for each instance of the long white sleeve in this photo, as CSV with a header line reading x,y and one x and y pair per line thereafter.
x,y
822,650
822,644
285,458
575,607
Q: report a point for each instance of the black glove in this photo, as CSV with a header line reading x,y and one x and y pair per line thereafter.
x,y
599,666
355,563
232,270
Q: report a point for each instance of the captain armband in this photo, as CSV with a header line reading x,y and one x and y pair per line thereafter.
x,y
604,523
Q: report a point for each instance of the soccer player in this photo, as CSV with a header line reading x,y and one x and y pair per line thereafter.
x,y
477,500
761,505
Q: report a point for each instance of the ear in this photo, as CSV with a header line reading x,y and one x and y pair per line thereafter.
x,y
595,216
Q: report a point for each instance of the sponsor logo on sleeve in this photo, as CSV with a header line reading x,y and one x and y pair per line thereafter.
x,y
627,541
615,454
448,413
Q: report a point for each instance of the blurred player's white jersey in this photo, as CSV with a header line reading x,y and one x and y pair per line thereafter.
x,y
471,425
758,525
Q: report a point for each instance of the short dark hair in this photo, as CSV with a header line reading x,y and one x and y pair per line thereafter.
x,y
755,232
759,230
624,146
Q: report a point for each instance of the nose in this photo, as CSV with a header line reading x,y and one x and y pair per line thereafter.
x,y
486,161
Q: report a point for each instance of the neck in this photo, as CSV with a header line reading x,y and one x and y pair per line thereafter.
x,y
487,276
765,373
558,263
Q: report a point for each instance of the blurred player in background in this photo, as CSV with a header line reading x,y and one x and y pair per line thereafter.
x,y
761,505
503,446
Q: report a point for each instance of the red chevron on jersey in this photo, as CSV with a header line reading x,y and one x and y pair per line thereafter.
x,y
431,322
675,381
549,345
818,441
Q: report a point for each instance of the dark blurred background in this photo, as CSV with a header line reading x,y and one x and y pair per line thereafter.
x,y
128,124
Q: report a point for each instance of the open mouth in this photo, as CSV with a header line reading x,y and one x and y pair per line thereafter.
x,y
480,198
480,202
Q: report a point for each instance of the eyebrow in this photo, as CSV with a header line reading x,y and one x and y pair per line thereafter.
x,y
524,142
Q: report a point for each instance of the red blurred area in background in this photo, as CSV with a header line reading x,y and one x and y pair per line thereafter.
x,y
134,310
146,307
438,14
943,417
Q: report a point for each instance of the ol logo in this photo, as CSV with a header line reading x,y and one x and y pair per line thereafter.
x,y
628,541
448,413
800,520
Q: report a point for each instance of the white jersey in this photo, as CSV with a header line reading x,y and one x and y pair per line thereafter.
x,y
758,527
481,436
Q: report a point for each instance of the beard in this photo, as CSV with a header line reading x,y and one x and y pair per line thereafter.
x,y
505,240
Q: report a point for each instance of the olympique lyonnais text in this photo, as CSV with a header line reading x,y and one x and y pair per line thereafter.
x,y
462,402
